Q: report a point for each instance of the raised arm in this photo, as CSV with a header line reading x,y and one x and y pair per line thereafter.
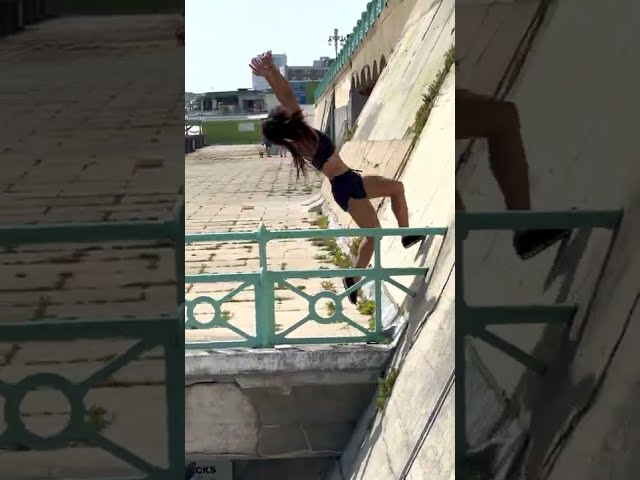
x,y
264,67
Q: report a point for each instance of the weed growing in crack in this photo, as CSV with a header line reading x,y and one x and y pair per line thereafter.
x,y
98,418
385,387
367,307
340,259
321,222
429,98
330,307
329,286
372,323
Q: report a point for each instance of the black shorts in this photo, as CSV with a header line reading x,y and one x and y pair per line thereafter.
x,y
346,186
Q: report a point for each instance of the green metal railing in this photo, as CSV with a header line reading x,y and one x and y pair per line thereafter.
x,y
149,333
265,280
472,321
367,20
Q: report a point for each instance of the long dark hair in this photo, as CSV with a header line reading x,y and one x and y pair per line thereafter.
x,y
287,131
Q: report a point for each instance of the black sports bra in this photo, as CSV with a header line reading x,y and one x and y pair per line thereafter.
x,y
325,149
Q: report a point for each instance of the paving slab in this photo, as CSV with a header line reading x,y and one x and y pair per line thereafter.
x,y
65,161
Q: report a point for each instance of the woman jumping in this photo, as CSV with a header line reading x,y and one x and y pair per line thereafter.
x,y
285,126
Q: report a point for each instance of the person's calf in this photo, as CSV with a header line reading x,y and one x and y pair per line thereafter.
x,y
399,205
507,156
365,253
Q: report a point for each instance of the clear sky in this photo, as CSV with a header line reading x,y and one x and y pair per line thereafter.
x,y
223,35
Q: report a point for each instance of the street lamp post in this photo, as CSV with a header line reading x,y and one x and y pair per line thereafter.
x,y
335,38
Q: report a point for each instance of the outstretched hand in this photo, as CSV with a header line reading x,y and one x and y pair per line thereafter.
x,y
262,64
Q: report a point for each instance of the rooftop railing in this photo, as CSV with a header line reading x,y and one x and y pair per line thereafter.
x,y
265,279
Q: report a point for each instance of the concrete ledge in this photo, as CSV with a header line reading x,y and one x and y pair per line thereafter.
x,y
200,366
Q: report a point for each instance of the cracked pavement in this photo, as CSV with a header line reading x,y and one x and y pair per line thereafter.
x,y
118,156
230,188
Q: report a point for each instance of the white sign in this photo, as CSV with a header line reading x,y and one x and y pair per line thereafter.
x,y
246,127
214,471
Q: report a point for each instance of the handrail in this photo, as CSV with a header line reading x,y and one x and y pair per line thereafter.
x,y
161,332
365,23
473,320
265,279
85,232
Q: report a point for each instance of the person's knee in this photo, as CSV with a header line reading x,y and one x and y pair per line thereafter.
x,y
398,188
509,114
367,244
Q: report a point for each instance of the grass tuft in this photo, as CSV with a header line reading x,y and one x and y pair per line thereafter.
x,y
429,98
385,387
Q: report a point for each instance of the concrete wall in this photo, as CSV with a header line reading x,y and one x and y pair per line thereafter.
x,y
413,437
574,94
298,402
375,50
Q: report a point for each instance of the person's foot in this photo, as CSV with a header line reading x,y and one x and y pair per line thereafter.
x,y
529,243
410,240
349,282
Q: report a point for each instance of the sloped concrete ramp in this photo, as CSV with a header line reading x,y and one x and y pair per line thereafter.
x,y
582,414
412,436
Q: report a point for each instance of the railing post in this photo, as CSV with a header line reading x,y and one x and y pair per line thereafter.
x,y
460,342
265,313
177,225
377,265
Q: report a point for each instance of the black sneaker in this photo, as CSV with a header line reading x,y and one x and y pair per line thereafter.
x,y
530,243
349,282
411,240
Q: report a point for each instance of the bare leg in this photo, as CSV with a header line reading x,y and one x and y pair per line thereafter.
x,y
377,186
478,116
365,216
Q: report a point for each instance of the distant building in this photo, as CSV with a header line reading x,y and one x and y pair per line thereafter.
x,y
305,79
280,61
243,101
312,72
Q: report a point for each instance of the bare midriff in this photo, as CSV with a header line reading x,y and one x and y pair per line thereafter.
x,y
334,167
